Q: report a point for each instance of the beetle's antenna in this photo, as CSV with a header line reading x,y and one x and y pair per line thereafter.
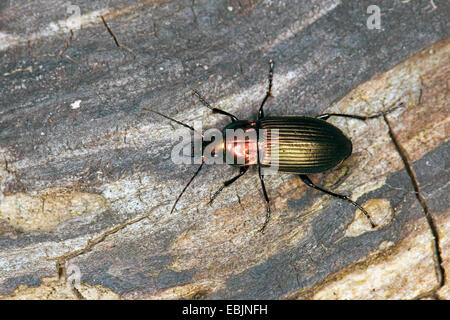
x,y
174,120
187,185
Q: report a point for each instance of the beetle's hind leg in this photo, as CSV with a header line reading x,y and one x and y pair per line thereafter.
x,y
266,197
309,183
242,171
325,116
269,90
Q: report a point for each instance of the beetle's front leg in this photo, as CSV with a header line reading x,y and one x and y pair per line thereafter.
x,y
242,171
214,110
269,91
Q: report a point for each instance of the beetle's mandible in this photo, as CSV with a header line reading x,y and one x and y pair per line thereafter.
x,y
304,145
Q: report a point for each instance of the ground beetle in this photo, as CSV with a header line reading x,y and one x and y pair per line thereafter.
x,y
305,145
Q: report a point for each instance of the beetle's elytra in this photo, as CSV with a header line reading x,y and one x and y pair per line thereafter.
x,y
303,145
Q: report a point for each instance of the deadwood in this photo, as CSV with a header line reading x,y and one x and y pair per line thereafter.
x,y
87,183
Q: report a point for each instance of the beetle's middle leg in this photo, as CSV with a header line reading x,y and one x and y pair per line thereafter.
x,y
269,91
242,171
309,183
325,116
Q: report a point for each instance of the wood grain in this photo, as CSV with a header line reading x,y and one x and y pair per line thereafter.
x,y
86,178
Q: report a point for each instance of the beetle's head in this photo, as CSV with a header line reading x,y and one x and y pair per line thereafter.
x,y
236,144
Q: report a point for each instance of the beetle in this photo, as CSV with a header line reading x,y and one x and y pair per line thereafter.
x,y
304,145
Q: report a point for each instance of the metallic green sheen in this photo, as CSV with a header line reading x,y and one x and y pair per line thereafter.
x,y
304,144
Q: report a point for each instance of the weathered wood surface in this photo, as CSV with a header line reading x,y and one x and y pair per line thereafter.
x,y
87,180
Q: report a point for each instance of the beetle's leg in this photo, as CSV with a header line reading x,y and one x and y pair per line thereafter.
x,y
266,197
325,116
242,171
269,90
309,183
214,110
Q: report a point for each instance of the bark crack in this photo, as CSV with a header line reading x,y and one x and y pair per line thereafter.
x,y
193,12
59,54
61,260
116,41
440,271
